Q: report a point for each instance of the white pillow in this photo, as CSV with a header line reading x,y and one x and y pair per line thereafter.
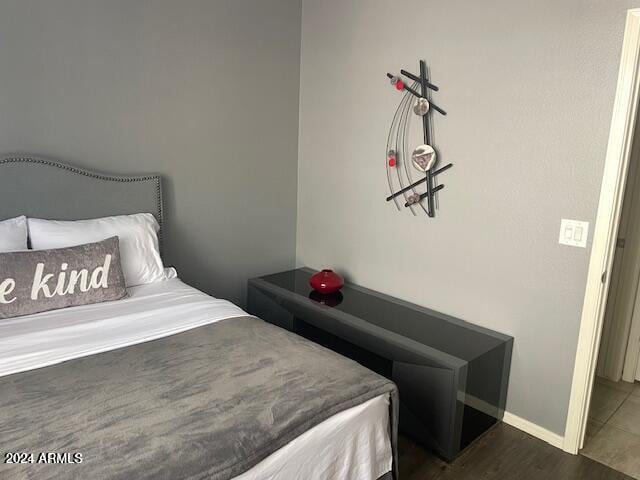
x,y
13,234
138,234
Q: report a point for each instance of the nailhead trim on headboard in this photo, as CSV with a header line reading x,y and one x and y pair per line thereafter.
x,y
100,176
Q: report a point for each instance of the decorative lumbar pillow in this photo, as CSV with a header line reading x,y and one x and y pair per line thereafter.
x,y
138,234
39,280
13,234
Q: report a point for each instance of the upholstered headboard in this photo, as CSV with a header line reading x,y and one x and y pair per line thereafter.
x,y
43,188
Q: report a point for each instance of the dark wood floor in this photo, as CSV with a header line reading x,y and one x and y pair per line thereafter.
x,y
503,453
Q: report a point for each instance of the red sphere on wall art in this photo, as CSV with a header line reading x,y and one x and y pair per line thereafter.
x,y
326,281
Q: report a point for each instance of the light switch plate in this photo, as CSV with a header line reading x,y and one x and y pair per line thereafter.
x,y
574,233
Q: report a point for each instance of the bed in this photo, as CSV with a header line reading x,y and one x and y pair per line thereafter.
x,y
170,382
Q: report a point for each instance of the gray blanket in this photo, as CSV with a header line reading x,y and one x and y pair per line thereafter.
x,y
209,403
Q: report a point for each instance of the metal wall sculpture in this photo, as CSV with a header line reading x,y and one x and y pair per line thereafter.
x,y
417,194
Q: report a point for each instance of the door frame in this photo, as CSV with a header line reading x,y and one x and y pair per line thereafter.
x,y
605,233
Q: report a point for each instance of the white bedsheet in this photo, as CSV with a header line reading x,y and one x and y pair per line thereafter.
x,y
351,445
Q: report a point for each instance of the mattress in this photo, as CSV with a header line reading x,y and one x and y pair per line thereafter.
x,y
353,444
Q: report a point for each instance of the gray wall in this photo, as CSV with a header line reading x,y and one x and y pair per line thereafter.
x,y
203,92
529,89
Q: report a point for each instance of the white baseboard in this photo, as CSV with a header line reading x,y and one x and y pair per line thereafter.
x,y
517,422
533,429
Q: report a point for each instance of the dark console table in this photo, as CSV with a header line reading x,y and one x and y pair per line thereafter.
x,y
452,375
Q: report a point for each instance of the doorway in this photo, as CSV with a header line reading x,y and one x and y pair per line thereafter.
x,y
613,426
605,241
620,340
